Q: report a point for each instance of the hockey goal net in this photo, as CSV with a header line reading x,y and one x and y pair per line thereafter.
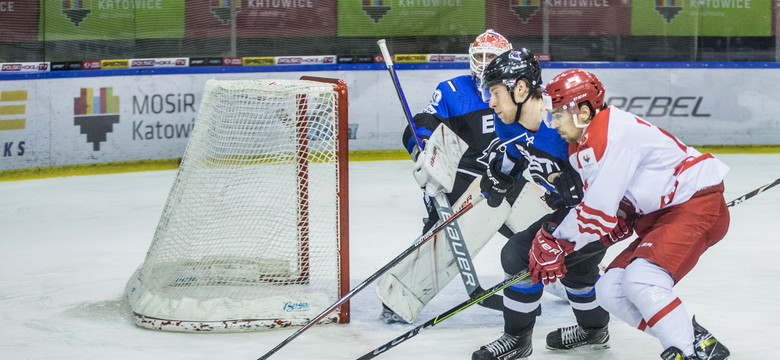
x,y
254,232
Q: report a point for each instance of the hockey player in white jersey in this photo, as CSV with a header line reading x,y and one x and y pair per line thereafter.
x,y
637,178
449,167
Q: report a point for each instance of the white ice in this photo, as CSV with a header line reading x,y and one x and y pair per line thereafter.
x,y
68,246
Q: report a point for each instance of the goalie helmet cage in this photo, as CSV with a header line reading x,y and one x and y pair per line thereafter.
x,y
254,233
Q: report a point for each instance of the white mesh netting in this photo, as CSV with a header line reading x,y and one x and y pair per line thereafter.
x,y
251,226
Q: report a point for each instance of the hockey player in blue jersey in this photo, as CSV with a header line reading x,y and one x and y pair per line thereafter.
x,y
449,169
515,84
461,103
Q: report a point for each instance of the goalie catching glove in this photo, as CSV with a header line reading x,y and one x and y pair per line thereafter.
x,y
547,255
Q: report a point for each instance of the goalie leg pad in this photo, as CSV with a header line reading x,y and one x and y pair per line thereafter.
x,y
527,208
411,284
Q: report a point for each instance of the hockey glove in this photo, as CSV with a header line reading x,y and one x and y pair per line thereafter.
x,y
547,255
568,185
411,144
623,230
495,184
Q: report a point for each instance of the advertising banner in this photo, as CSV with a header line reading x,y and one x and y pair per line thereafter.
x,y
159,62
123,118
24,67
112,19
24,124
702,18
261,18
18,21
115,64
564,17
680,101
84,120
305,60
448,58
411,17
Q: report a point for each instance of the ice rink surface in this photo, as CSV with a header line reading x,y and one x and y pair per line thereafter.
x,y
68,246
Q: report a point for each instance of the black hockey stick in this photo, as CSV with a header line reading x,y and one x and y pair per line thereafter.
x,y
471,301
446,315
755,192
503,285
454,235
462,258
417,243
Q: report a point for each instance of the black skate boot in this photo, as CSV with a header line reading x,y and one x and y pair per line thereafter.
x,y
390,317
574,336
706,346
507,347
674,353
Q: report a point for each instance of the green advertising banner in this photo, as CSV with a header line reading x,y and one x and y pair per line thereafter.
x,y
111,19
410,17
702,18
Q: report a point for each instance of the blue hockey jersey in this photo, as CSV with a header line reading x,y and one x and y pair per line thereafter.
x,y
458,104
457,96
547,153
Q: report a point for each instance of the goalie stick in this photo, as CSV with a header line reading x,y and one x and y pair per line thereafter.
x,y
440,203
503,285
422,239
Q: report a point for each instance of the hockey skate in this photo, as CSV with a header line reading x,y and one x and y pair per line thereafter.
x,y
390,317
507,347
706,346
674,353
574,336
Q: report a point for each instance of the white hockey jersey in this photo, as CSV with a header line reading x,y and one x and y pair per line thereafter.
x,y
620,155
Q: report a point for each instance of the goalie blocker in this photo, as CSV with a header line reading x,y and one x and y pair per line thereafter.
x,y
411,284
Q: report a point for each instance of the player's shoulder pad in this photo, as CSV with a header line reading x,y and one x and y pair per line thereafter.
x,y
459,83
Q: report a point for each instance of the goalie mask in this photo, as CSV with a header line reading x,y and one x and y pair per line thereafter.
x,y
485,48
570,89
486,44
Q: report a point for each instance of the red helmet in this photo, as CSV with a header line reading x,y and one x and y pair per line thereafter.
x,y
574,86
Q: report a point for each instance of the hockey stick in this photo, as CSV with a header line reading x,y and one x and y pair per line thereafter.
x,y
503,285
446,315
461,253
441,204
755,192
462,306
422,239
399,91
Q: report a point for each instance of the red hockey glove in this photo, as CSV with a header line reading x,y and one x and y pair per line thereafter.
x,y
547,254
623,230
